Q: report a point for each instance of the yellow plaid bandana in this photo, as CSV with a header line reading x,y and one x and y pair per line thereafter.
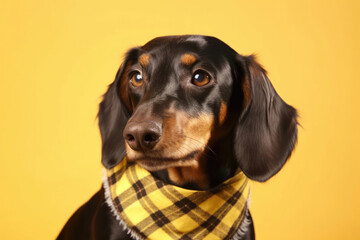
x,y
151,209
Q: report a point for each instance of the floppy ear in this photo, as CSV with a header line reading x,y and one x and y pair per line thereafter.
x,y
114,112
266,131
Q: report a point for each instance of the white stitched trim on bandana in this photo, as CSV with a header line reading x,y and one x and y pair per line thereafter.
x,y
112,207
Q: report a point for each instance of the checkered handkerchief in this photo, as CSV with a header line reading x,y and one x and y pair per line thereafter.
x,y
152,209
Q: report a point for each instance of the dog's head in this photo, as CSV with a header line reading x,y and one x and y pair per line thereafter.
x,y
191,105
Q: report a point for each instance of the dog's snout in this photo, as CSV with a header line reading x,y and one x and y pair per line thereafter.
x,y
142,136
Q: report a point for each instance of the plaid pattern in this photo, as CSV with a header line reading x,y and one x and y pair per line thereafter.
x,y
153,209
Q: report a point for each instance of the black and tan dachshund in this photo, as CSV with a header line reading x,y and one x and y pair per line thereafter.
x,y
190,110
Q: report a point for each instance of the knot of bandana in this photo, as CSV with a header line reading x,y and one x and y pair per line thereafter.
x,y
151,209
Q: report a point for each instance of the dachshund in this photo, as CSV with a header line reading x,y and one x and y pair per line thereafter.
x,y
190,110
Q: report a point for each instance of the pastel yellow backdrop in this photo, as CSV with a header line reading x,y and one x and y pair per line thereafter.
x,y
57,58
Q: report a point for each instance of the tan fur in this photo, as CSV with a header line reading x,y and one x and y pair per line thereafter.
x,y
188,59
182,175
144,59
222,113
183,134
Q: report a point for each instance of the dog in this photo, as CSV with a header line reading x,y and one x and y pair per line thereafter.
x,y
190,110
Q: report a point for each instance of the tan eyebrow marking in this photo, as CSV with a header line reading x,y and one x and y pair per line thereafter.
x,y
144,59
188,59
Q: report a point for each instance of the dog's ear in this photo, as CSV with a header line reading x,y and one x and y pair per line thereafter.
x,y
266,131
114,112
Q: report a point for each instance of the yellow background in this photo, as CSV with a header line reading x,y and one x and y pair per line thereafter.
x,y
57,58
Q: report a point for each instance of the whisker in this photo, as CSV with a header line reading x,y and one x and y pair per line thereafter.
x,y
205,146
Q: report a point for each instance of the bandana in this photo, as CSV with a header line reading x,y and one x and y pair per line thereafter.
x,y
149,208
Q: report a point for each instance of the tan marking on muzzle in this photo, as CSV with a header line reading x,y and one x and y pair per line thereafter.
x,y
198,128
183,134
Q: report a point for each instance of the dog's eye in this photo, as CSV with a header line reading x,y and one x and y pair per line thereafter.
x,y
200,78
137,79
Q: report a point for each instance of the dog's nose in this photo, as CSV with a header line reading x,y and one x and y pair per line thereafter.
x,y
142,135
